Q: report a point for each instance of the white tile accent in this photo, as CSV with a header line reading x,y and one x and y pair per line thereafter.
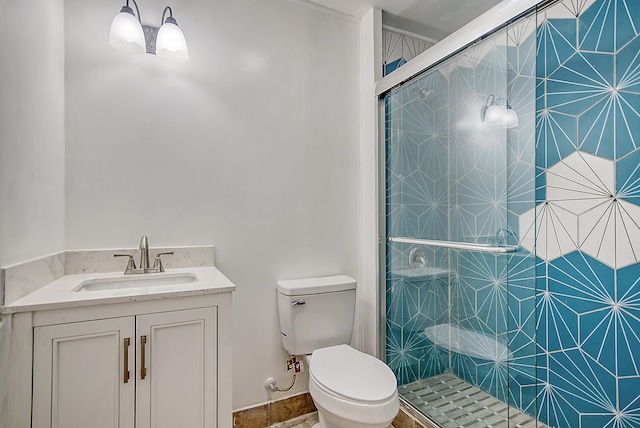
x,y
583,212
627,237
580,182
556,231
610,233
559,227
526,230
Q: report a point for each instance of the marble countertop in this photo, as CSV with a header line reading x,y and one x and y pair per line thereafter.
x,y
62,293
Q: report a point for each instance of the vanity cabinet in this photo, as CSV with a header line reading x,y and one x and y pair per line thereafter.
x,y
108,350
179,386
77,378
147,370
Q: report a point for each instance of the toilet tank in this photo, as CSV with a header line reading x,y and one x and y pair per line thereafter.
x,y
316,312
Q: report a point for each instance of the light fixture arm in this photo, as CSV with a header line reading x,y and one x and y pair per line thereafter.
x,y
493,101
502,100
137,10
170,19
490,101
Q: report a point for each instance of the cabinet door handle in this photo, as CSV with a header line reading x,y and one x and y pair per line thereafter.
x,y
143,369
127,342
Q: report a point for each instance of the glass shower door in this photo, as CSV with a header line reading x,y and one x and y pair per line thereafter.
x,y
456,182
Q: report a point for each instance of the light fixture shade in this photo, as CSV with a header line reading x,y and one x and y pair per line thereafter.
x,y
171,43
494,115
126,33
510,118
500,116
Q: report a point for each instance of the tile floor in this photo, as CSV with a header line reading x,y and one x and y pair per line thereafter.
x,y
306,421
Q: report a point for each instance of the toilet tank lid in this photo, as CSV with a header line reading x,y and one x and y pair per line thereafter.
x,y
325,284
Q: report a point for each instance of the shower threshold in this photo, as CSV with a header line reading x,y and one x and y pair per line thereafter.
x,y
451,402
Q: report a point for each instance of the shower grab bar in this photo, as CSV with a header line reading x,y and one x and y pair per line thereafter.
x,y
484,248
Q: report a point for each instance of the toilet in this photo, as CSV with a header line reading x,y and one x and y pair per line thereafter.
x,y
350,389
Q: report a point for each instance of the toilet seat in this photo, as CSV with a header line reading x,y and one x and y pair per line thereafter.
x,y
352,375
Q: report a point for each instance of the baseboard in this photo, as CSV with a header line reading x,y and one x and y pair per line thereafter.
x,y
271,413
265,415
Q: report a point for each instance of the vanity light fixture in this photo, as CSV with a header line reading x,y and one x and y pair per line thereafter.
x,y
129,35
498,113
126,31
170,42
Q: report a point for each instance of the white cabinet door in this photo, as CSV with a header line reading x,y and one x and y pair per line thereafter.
x,y
176,371
79,375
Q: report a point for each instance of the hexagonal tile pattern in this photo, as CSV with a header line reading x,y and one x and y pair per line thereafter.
x,y
583,211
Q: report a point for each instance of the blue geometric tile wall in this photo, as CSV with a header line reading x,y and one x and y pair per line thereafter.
x,y
585,228
567,186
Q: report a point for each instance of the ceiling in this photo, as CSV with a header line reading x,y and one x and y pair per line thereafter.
x,y
435,19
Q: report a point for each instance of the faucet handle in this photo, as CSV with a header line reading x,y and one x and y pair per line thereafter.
x,y
157,263
131,264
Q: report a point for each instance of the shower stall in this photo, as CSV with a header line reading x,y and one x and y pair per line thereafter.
x,y
460,271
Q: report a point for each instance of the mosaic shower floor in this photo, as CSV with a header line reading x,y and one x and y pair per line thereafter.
x,y
453,403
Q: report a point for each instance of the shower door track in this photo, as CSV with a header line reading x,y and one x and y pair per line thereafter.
x,y
484,248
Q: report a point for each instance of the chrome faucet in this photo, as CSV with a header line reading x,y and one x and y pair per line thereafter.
x,y
144,260
144,252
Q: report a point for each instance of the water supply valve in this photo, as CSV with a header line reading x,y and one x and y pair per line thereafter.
x,y
292,364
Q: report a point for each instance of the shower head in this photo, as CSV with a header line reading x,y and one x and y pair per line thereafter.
x,y
422,93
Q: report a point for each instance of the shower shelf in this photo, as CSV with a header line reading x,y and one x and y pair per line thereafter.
x,y
421,274
484,248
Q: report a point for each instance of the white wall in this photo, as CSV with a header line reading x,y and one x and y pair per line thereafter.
x,y
31,143
252,145
31,130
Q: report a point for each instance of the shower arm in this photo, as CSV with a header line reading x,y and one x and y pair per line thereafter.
x,y
484,248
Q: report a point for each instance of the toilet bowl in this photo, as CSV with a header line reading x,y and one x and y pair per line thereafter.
x,y
352,389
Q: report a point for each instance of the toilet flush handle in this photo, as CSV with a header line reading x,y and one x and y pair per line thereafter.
x,y
298,302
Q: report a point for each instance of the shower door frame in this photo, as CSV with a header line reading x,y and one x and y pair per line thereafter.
x,y
487,24
382,230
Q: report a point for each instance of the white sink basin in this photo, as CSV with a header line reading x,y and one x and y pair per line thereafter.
x,y
136,281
